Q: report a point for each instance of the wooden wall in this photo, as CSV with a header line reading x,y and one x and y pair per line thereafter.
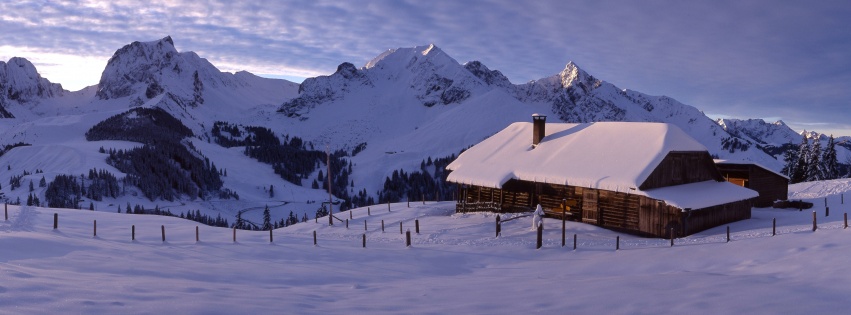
x,y
682,168
770,186
613,210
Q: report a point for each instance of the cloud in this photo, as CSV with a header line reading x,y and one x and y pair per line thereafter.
x,y
752,58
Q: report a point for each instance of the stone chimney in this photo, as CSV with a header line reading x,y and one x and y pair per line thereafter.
x,y
539,123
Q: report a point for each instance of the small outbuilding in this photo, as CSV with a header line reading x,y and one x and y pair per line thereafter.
x,y
770,185
643,178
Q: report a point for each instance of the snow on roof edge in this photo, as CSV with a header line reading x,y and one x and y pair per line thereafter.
x,y
700,195
744,162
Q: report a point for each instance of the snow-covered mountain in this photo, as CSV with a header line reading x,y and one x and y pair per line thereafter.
x,y
424,86
21,83
405,106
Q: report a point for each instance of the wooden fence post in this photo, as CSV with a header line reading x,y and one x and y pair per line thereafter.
x,y
382,226
826,211
368,212
270,235
162,227
423,198
400,228
388,206
314,237
347,222
498,227
574,241
815,227
96,229
364,240
408,238
234,234
846,220
197,235
618,242
774,227
540,241
55,220
672,237
728,234
409,202
417,225
6,210
350,214
563,217
364,225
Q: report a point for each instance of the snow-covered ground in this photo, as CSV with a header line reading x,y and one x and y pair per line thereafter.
x,y
455,265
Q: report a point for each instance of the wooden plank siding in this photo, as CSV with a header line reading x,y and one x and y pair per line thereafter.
x,y
620,211
682,168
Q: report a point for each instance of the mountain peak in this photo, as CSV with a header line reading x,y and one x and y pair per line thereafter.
x,y
20,81
572,74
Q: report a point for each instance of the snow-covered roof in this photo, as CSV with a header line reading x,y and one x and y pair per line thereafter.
x,y
701,194
743,162
614,156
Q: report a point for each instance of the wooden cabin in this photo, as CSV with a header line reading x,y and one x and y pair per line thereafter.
x,y
770,185
641,178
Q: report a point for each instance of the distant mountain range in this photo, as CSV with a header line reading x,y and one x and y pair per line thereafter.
x,y
403,107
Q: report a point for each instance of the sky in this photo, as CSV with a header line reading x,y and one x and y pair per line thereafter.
x,y
788,60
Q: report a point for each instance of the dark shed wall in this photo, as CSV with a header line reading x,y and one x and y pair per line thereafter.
x,y
682,168
770,186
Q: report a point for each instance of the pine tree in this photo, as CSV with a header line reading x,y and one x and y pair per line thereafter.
x,y
829,160
791,158
814,165
271,191
42,182
32,188
267,219
91,206
800,172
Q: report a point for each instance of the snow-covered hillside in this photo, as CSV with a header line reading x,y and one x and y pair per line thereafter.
x,y
455,265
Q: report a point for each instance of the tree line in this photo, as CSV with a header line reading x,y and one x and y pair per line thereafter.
x,y
809,162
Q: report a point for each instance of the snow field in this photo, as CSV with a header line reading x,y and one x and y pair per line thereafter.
x,y
455,264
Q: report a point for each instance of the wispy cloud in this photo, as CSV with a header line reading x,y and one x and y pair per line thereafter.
x,y
752,59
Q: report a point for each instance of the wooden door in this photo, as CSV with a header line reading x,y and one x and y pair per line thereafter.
x,y
589,206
